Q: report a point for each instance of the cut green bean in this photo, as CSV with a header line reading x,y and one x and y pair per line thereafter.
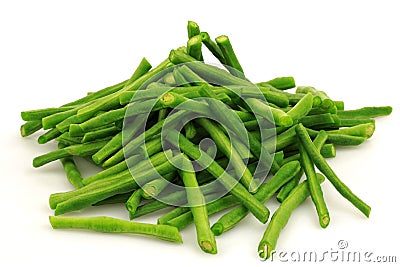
x,y
153,188
193,29
213,47
100,134
301,108
326,102
314,186
259,210
324,167
112,225
196,201
194,47
281,217
30,127
280,117
71,170
82,150
224,144
133,202
229,55
219,205
366,112
266,191
48,136
281,83
38,114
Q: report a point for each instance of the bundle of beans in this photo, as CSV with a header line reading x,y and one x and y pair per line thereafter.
x,y
147,134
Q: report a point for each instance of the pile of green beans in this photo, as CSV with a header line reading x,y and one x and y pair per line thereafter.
x,y
151,151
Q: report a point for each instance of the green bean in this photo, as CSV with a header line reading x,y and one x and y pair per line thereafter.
x,y
281,83
117,141
214,207
314,186
48,136
30,127
265,191
169,79
277,98
100,134
302,107
340,139
143,67
224,144
106,178
328,151
95,122
71,170
353,122
116,199
67,140
133,144
52,120
231,60
196,201
133,202
190,75
366,112
339,105
121,185
280,117
289,186
324,167
82,150
122,166
213,47
112,225
112,101
210,73
38,114
281,217
141,95
315,120
194,47
193,29
153,188
326,103
190,149
362,130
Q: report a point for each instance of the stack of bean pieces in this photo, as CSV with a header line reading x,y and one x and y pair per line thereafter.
x,y
305,127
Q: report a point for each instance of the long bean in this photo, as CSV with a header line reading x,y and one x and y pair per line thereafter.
x,y
266,191
112,225
281,217
324,167
314,186
259,210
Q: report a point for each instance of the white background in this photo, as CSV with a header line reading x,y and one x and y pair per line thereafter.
x,y
52,52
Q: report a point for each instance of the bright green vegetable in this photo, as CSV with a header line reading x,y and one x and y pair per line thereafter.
x,y
205,236
259,210
281,217
323,166
194,47
366,112
111,225
266,191
71,170
219,205
314,186
133,202
30,127
229,55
